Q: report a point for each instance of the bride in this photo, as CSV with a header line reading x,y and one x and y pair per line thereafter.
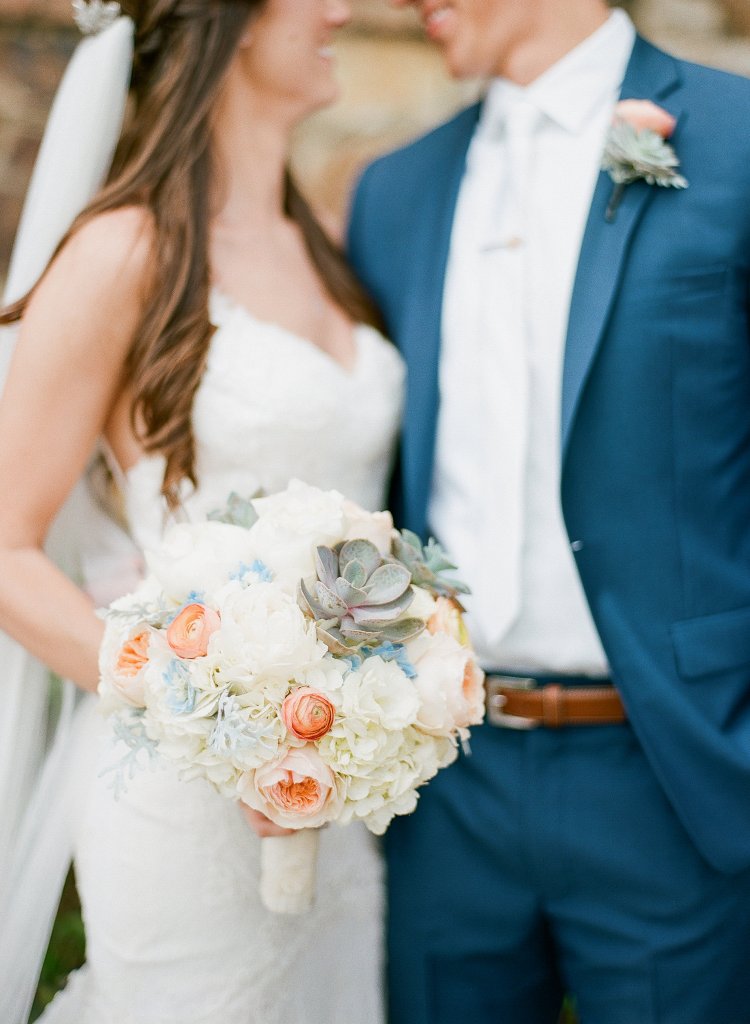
x,y
196,325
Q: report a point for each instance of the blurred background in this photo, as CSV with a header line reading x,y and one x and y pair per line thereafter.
x,y
392,79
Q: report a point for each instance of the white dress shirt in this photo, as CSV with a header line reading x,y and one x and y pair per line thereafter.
x,y
519,223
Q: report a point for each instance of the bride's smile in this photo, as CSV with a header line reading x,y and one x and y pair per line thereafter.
x,y
287,53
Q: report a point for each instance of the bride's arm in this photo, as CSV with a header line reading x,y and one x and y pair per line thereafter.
x,y
65,376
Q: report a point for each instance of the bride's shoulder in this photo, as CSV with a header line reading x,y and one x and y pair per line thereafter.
x,y
113,246
90,300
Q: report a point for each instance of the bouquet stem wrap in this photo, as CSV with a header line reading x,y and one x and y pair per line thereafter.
x,y
288,867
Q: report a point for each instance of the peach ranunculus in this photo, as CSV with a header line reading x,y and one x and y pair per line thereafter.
x,y
307,714
189,632
447,618
128,675
643,114
297,790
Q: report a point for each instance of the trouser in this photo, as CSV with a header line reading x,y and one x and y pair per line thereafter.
x,y
549,861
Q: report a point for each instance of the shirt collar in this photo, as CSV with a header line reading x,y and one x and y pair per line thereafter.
x,y
571,90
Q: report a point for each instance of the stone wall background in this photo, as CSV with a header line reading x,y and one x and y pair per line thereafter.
x,y
393,86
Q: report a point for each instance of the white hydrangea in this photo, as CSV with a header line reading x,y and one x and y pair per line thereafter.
x,y
181,704
359,749
326,676
386,786
380,692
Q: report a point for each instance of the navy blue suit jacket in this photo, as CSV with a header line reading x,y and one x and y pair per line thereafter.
x,y
656,420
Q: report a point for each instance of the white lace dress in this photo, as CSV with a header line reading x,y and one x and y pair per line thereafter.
x,y
168,874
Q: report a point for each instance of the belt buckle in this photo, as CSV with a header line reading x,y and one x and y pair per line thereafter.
x,y
496,702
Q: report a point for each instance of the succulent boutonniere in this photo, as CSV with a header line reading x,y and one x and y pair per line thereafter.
x,y
637,149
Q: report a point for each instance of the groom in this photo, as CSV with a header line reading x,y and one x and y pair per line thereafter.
x,y
577,435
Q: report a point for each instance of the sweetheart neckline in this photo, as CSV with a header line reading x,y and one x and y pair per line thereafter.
x,y
219,297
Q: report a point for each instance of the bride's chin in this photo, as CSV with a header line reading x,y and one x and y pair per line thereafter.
x,y
324,97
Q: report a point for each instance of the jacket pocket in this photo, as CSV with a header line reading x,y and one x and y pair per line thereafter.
x,y
690,288
712,643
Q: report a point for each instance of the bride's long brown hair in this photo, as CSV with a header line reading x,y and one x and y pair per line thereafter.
x,y
183,49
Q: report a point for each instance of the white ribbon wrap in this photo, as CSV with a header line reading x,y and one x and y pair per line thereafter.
x,y
288,869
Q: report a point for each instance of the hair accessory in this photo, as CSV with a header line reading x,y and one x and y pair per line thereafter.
x,y
93,16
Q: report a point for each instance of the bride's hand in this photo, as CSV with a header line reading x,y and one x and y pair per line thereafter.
x,y
262,825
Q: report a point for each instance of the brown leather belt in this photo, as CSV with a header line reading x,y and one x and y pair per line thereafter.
x,y
526,703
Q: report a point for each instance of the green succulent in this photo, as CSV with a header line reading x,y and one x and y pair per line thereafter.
x,y
358,598
631,154
238,511
427,565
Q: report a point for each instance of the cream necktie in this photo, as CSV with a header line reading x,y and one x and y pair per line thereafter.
x,y
504,363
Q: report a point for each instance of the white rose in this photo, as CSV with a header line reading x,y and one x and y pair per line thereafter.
x,y
264,639
449,683
377,527
199,557
291,525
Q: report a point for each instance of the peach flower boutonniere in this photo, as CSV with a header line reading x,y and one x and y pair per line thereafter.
x,y
637,150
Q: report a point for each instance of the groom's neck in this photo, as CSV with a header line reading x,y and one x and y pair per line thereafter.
x,y
556,33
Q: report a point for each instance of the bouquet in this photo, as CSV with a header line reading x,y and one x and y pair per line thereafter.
x,y
302,656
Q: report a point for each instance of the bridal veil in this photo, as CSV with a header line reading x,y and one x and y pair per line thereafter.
x,y
40,764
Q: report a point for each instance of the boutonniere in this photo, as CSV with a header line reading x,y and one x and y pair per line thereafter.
x,y
637,150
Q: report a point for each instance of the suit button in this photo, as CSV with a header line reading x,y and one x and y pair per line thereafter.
x,y
576,546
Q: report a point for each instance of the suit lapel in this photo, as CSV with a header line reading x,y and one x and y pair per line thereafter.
x,y
653,75
432,227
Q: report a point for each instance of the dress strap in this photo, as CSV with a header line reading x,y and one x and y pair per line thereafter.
x,y
118,474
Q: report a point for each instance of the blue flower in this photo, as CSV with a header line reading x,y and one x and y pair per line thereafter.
x,y
392,652
181,695
354,661
257,568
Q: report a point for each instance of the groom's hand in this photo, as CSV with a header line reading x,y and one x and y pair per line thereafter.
x,y
261,824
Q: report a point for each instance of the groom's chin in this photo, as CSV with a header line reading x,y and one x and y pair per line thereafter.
x,y
463,54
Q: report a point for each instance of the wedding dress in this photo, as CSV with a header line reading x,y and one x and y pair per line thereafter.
x,y
168,872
